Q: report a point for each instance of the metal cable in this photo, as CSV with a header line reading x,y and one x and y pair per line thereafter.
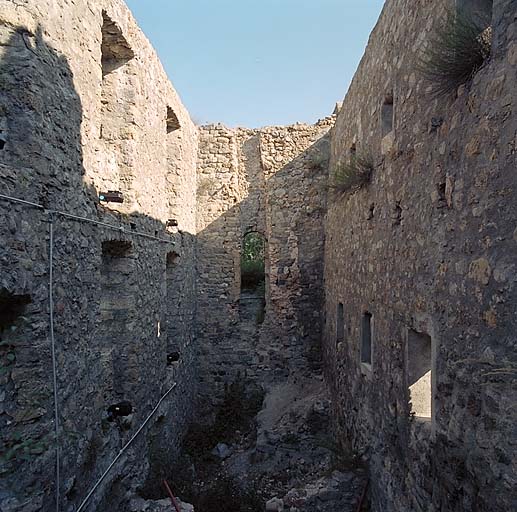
x,y
54,364
16,200
51,214
99,481
120,229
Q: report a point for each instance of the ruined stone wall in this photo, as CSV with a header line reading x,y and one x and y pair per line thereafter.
x,y
295,163
85,107
271,181
423,253
428,250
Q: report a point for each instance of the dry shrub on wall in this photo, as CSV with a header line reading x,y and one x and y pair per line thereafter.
x,y
455,52
352,174
318,161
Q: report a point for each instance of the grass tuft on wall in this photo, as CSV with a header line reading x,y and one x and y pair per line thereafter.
x,y
455,52
353,174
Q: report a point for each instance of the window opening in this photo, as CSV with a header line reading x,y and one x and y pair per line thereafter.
x,y
115,49
253,277
340,324
387,115
419,373
172,122
12,308
366,338
172,310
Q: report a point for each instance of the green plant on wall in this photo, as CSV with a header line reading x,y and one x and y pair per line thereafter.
x,y
353,174
252,260
455,52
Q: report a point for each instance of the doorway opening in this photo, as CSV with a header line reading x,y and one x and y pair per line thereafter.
x,y
253,276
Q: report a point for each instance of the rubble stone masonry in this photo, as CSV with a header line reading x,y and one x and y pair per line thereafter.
x,y
85,107
407,285
272,181
427,251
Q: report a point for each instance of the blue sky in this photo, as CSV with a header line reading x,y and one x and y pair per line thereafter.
x,y
258,62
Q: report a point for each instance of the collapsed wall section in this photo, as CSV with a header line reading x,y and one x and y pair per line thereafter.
x,y
420,273
81,116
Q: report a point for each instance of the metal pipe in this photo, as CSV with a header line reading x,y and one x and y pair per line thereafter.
x,y
54,364
99,481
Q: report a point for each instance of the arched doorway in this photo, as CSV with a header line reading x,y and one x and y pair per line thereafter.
x,y
253,276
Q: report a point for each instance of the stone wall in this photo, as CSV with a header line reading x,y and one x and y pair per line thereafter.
x,y
271,181
428,250
85,107
411,278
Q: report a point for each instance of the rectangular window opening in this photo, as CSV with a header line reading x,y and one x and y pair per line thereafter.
x,y
419,372
173,320
366,338
387,115
340,324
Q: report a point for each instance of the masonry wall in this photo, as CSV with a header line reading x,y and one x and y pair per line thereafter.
x,y
84,104
428,247
270,181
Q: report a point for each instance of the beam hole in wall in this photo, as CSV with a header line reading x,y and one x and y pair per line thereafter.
x,y
173,357
119,410
115,50
172,121
366,338
340,324
419,372
387,115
